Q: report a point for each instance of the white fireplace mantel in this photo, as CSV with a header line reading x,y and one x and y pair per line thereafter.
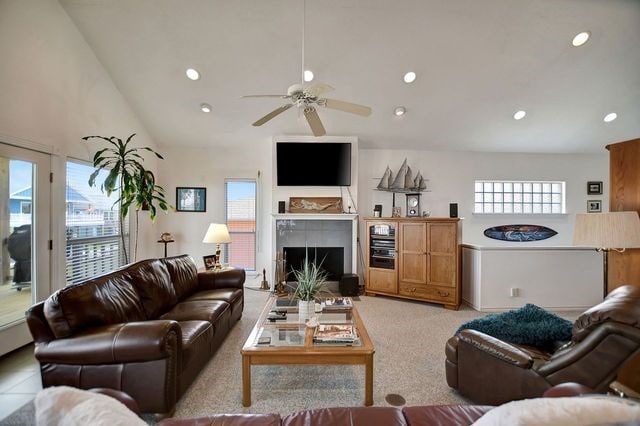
x,y
316,216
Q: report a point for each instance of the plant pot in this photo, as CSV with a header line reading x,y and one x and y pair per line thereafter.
x,y
306,310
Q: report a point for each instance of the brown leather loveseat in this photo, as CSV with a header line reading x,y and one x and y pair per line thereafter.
x,y
491,371
146,329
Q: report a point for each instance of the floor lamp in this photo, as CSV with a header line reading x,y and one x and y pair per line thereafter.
x,y
607,231
217,233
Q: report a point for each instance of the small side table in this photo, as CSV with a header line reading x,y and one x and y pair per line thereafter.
x,y
165,245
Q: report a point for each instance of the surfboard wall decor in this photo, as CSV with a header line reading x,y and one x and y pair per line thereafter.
x,y
519,233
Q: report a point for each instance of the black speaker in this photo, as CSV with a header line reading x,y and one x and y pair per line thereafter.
x,y
281,207
453,210
349,285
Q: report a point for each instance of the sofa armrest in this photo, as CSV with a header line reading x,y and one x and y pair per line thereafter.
x,y
117,343
120,396
228,278
497,348
38,325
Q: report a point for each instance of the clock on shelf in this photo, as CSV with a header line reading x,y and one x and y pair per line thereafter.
x,y
413,205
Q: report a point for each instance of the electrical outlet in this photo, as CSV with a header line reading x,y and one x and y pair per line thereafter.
x,y
514,292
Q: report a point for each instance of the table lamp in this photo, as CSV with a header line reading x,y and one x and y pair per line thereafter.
x,y
607,231
217,234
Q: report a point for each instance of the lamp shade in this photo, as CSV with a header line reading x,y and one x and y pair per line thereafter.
x,y
613,230
217,233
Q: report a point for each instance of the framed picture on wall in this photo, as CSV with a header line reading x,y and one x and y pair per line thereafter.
x,y
594,188
594,206
190,199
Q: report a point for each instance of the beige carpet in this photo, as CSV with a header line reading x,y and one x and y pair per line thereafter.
x,y
409,339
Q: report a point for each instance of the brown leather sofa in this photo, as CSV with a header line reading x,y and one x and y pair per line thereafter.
x,y
490,371
146,329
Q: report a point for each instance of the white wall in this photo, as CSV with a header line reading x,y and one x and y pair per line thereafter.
x,y
53,91
209,168
452,176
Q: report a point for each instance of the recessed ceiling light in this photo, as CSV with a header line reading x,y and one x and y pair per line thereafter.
x,y
399,111
519,115
193,74
581,38
205,107
409,77
308,76
610,117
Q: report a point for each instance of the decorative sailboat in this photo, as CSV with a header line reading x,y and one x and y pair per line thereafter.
x,y
403,181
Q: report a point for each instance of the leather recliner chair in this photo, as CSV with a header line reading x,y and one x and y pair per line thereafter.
x,y
490,371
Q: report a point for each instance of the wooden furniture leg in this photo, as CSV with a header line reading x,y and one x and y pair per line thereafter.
x,y
246,381
368,381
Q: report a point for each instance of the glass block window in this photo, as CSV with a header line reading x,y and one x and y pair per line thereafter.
x,y
519,197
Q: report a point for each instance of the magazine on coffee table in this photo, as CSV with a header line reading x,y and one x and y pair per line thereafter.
x,y
335,333
337,303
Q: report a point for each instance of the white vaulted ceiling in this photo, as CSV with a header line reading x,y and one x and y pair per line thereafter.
x,y
478,62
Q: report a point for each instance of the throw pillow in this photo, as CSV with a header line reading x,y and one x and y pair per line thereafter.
x,y
570,411
529,325
66,406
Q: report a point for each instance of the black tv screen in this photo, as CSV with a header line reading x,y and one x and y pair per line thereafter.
x,y
313,164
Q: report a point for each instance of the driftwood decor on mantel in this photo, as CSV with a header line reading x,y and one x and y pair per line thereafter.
x,y
315,205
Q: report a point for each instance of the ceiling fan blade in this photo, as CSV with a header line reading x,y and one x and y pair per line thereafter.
x,y
266,96
365,111
314,121
272,114
317,89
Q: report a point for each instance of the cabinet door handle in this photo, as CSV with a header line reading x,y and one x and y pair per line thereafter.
x,y
443,293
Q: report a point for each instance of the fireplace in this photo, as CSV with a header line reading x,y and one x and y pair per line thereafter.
x,y
330,259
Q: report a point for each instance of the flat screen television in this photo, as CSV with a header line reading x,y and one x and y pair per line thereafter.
x,y
313,164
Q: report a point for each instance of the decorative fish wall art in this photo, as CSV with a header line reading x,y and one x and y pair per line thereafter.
x,y
519,233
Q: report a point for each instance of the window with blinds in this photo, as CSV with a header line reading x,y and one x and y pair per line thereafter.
x,y
94,245
240,210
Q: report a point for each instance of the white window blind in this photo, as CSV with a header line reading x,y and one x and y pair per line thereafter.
x,y
240,208
94,246
519,197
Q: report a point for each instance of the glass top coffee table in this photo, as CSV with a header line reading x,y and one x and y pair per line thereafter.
x,y
290,342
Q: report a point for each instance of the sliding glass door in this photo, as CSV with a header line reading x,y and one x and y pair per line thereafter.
x,y
24,231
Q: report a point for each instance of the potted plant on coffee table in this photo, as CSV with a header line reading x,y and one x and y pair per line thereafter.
x,y
312,280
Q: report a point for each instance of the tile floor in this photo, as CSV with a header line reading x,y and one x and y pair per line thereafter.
x,y
19,379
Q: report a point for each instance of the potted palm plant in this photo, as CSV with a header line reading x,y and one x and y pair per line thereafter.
x,y
137,186
311,280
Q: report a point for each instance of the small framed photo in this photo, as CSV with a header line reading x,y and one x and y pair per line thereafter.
x,y
594,206
191,199
594,188
209,261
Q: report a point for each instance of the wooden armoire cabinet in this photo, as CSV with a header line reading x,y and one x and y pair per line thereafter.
x,y
414,258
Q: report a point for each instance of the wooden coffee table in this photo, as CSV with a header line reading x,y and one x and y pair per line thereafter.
x,y
291,343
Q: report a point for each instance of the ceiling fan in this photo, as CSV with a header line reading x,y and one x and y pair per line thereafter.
x,y
307,98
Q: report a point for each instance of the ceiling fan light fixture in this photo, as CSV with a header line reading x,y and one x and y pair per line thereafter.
x,y
580,38
399,111
193,74
519,115
204,107
308,76
409,77
610,117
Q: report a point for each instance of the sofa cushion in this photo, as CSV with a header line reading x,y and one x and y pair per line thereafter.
x,y
229,295
459,415
151,280
105,300
529,325
183,273
346,416
621,305
197,310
